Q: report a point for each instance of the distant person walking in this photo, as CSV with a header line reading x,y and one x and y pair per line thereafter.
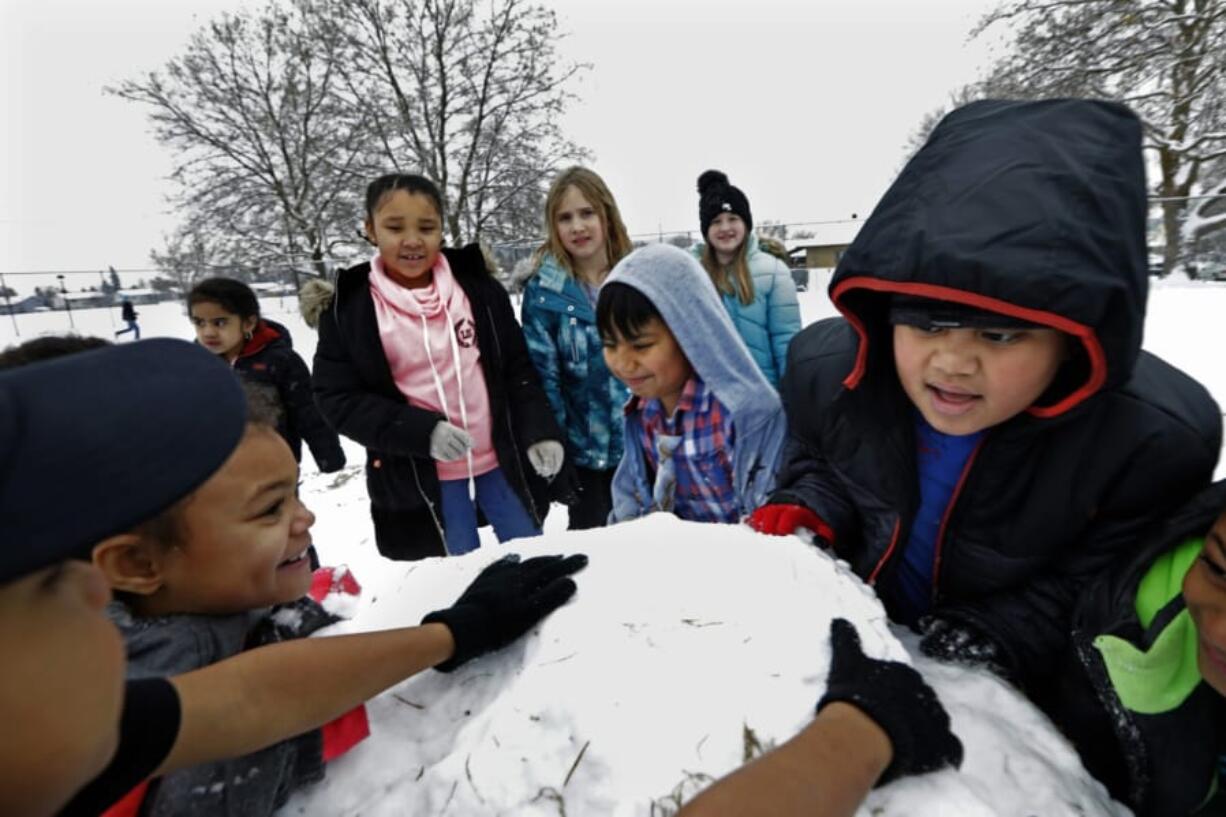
x,y
129,317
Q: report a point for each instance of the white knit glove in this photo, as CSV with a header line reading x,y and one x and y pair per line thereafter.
x,y
546,458
449,443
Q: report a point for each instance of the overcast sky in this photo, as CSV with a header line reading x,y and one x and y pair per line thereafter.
x,y
805,104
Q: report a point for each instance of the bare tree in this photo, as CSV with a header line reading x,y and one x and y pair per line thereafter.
x,y
266,165
189,255
1164,58
1206,215
773,229
467,95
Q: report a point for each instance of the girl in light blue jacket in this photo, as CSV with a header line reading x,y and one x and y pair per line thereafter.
x,y
756,287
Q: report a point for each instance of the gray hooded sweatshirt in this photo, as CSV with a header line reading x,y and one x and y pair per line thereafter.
x,y
686,299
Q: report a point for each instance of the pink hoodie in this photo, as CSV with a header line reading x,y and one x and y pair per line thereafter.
x,y
430,340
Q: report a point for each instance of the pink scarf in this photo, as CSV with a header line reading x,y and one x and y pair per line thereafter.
x,y
429,339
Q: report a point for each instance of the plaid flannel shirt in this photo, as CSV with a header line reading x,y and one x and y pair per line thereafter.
x,y
704,491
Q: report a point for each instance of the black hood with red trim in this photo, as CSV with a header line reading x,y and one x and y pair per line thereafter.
x,y
268,334
1033,209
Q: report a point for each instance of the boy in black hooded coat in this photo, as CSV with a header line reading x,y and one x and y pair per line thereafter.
x,y
1012,215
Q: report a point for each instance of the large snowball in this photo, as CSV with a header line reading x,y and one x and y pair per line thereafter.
x,y
687,648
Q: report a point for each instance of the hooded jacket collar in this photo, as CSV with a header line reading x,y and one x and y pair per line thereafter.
x,y
267,333
683,294
1032,209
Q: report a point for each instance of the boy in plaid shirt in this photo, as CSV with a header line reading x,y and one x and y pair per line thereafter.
x,y
704,429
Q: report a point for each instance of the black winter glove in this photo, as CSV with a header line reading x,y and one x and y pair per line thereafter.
x,y
504,602
331,463
565,486
300,618
897,699
947,640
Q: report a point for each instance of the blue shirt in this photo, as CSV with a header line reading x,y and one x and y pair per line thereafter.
x,y
941,459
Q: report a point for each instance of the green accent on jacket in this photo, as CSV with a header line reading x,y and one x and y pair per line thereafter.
x,y
1158,679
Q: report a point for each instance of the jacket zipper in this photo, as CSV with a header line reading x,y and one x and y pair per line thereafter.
x,y
506,416
336,314
872,577
953,500
430,505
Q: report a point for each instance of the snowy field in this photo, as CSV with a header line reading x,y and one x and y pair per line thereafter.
x,y
686,648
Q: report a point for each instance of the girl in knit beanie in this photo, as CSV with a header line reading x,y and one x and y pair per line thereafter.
x,y
756,287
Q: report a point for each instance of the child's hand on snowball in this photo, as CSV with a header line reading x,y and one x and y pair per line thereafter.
x,y
896,698
506,600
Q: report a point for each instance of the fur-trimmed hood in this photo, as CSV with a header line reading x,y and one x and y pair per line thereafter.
x,y
314,297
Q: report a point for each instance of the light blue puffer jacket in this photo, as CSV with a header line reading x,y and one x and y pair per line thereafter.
x,y
768,324
560,327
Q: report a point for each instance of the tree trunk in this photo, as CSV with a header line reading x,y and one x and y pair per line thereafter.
x,y
1174,207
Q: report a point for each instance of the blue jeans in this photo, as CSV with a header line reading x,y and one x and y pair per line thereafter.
x,y
132,327
498,502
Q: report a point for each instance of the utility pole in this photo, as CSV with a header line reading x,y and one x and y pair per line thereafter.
x,y
9,303
105,286
67,306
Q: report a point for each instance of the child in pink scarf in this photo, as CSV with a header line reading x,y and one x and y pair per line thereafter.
x,y
432,329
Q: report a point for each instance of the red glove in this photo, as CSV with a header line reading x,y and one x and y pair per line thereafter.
x,y
130,805
347,731
327,581
350,729
785,519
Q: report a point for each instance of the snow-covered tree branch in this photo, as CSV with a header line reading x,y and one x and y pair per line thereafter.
x,y
1161,57
279,117
468,94
265,164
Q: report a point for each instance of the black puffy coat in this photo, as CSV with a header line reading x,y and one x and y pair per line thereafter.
x,y
1163,764
269,359
1035,210
355,389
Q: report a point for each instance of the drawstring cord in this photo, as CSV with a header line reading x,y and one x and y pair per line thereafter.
x,y
442,396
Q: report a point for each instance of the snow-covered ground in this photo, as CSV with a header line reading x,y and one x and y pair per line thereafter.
x,y
683,642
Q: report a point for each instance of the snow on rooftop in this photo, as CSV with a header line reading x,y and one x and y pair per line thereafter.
x,y
826,235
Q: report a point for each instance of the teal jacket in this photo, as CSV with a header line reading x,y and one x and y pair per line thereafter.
x,y
769,322
564,344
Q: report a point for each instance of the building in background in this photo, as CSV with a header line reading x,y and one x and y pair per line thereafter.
x,y
825,247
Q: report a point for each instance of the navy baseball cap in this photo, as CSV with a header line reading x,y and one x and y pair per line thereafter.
x,y
929,313
93,444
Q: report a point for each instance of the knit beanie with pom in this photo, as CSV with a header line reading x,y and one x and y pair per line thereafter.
x,y
715,196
